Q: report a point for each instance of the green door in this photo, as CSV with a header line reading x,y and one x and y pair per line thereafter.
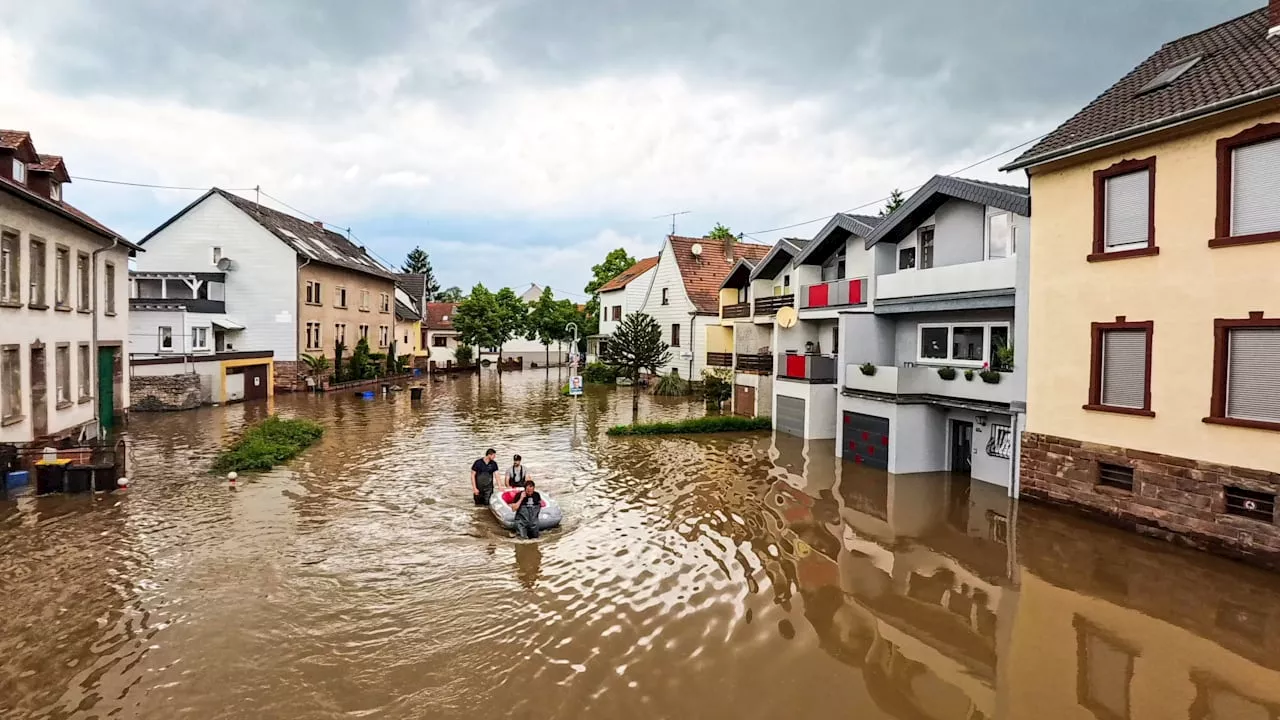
x,y
106,388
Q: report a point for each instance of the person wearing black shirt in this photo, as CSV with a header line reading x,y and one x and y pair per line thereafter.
x,y
527,506
482,472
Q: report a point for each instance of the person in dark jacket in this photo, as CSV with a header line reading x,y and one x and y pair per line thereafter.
x,y
482,472
527,505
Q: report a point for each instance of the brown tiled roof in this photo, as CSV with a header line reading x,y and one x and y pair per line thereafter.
x,y
625,277
440,316
1237,58
64,209
704,274
52,164
13,138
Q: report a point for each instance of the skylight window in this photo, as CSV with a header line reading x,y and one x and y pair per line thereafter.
x,y
1170,74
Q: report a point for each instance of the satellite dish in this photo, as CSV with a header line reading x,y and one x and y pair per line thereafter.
x,y
787,317
696,249
225,264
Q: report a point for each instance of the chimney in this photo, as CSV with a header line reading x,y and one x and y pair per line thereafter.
x,y
1273,14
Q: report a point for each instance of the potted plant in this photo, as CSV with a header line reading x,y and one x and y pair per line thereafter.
x,y
947,373
989,376
868,369
968,374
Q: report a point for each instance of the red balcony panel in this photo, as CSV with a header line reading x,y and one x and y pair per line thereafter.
x,y
795,366
855,292
818,295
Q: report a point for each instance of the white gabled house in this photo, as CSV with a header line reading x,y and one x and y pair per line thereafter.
x,y
620,297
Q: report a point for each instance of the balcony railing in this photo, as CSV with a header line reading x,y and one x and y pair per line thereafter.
x,y
986,275
738,310
893,380
809,368
720,359
756,364
771,305
837,293
195,305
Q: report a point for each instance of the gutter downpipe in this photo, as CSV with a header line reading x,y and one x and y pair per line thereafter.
x,y
93,340
1151,126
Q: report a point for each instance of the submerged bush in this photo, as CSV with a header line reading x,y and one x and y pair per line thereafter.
x,y
599,373
709,424
269,443
671,385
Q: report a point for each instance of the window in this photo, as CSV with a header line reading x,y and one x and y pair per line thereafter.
x,y
10,383
439,341
833,268
1248,184
84,368
1169,74
340,333
1000,236
969,345
1246,384
166,338
742,294
1104,672
617,313
109,288
313,292
216,254
907,258
62,281
313,336
835,340
83,288
55,191
10,267
386,302
199,338
62,366
785,289
364,332
340,297
364,300
19,170
37,261
1123,205
925,241
1120,368
383,336
666,300
675,335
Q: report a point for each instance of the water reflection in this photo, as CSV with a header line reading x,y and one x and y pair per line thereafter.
x,y
715,577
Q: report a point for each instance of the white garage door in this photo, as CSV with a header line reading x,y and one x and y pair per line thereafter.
x,y
790,417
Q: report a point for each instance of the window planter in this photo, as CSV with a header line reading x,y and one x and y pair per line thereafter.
x,y
991,377
868,369
968,374
947,373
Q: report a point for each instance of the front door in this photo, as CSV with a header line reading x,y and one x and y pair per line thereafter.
x,y
39,394
961,446
106,387
744,400
255,382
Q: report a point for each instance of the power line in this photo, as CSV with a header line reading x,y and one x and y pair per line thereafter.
x,y
148,185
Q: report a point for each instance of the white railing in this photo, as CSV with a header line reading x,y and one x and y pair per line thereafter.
x,y
892,380
968,277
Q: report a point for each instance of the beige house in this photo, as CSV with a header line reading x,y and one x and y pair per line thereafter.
x,y
63,305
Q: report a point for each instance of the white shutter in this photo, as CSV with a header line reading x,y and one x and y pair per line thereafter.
x,y
1255,188
1128,210
1124,368
1253,374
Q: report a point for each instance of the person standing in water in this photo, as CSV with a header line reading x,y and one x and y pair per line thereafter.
x,y
482,472
519,473
527,505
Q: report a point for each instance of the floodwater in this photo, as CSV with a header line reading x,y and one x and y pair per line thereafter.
x,y
727,577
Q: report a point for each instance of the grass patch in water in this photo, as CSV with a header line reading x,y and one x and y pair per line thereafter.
x,y
272,442
708,424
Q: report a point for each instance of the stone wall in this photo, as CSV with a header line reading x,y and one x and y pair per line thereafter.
x,y
159,393
288,375
1174,498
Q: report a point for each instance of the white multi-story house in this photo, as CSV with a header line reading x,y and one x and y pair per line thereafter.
x,y
931,369
438,334
64,312
683,295
620,297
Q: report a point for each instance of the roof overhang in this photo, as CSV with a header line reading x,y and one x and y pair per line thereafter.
x,y
777,259
941,188
831,237
59,210
739,275
226,323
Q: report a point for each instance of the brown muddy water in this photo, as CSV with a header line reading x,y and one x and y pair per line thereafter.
x,y
727,577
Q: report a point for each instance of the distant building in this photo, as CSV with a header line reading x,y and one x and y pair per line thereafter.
x,y
438,334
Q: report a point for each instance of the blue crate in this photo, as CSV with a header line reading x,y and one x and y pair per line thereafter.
x,y
17,479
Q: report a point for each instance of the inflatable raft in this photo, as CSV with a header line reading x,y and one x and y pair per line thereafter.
x,y
548,517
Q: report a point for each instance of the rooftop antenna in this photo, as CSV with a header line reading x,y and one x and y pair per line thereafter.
x,y
673,218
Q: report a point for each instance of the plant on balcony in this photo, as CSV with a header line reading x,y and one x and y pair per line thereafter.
x,y
991,377
968,374
1003,358
867,369
947,373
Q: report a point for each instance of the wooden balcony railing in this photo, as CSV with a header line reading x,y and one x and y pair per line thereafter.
x,y
738,310
771,305
720,359
757,364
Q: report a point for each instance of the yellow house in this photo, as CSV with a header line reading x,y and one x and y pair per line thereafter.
x,y
1154,344
410,307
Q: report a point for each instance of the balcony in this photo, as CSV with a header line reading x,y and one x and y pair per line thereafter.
x,y
720,359
738,310
807,368
193,305
755,364
833,294
893,380
968,277
771,305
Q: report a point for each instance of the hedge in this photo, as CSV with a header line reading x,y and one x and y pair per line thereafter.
x,y
272,442
708,424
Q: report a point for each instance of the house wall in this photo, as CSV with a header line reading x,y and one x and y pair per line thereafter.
x,y
867,338
442,355
209,373
24,326
666,274
144,331
631,298
328,313
1181,290
720,339
257,296
906,331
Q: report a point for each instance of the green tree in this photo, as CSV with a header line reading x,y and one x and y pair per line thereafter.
x,y
512,318
614,264
317,366
452,294
418,262
476,319
720,232
894,202
544,323
363,366
636,346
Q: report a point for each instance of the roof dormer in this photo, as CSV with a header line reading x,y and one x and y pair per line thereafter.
x,y
17,153
47,176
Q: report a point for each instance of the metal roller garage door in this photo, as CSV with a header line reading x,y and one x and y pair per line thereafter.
x,y
790,416
866,440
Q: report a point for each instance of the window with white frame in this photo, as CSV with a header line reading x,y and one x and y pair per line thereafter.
x,y
19,171
924,239
83,282
109,288
1127,219
55,191
383,336
216,253
340,333
10,267
313,292
36,294
84,370
313,336
364,333
10,383
62,280
166,338
1001,240
907,258
340,297
199,338
1255,185
966,344
386,302
62,367
364,299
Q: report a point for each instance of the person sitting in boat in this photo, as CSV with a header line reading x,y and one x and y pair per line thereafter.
x,y
527,505
519,473
482,472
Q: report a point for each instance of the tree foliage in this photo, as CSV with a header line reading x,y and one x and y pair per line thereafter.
x,y
720,232
512,317
544,319
637,346
477,318
417,262
617,261
452,294
894,202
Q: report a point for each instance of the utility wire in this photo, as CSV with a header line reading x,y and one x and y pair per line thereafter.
x,y
148,185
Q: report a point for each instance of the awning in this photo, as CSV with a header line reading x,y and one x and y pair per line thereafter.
x,y
226,323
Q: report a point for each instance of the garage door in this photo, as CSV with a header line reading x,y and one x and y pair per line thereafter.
x,y
866,440
790,416
744,400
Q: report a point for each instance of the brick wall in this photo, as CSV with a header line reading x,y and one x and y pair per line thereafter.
x,y
159,393
289,375
1177,499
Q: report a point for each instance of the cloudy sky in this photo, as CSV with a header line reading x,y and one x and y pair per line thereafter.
x,y
518,141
